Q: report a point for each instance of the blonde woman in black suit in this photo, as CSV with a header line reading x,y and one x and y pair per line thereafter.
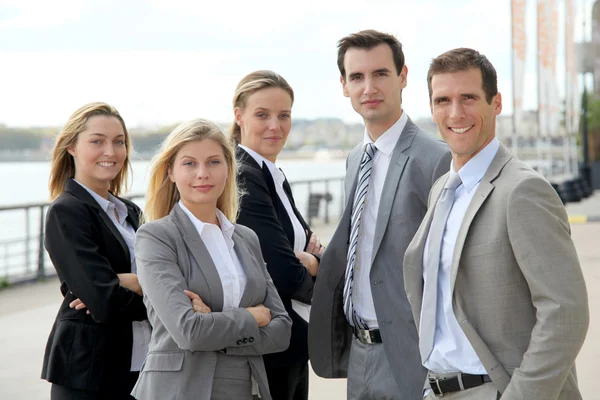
x,y
101,333
211,302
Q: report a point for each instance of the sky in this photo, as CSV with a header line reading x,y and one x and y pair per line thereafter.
x,y
165,61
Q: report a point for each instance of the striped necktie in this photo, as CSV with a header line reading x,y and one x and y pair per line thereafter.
x,y
436,235
364,175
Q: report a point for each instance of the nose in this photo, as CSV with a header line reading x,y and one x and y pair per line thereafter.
x,y
370,88
273,124
202,171
109,150
456,110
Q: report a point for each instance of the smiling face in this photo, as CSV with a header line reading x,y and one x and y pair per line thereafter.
x,y
99,153
374,87
266,121
200,172
466,121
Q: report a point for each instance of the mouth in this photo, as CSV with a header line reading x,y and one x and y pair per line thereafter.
x,y
371,103
461,130
203,188
273,138
106,164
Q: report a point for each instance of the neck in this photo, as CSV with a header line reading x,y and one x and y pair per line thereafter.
x,y
206,213
377,128
273,159
98,187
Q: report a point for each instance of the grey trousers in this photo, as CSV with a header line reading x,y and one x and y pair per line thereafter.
x,y
369,374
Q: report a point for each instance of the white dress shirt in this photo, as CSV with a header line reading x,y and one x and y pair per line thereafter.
x,y
299,234
141,329
219,244
452,351
362,297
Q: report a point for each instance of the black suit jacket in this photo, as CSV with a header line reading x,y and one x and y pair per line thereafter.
x,y
262,211
90,352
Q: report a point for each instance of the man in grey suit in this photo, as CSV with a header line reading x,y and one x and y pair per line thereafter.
x,y
361,326
492,275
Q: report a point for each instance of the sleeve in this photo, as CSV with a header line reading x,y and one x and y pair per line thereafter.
x,y
71,240
257,212
539,234
275,337
163,285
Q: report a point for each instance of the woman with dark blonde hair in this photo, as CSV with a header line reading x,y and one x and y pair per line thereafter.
x,y
101,333
263,120
211,302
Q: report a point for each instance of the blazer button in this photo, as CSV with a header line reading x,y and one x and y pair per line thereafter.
x,y
239,342
245,340
251,339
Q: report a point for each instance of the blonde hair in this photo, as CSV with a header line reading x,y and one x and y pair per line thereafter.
x,y
250,84
162,194
63,164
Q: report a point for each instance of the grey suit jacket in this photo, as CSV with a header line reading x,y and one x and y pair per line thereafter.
x,y
417,161
518,290
181,360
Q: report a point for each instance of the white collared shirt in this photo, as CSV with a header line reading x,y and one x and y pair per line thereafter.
x,y
299,234
361,289
452,351
220,246
141,329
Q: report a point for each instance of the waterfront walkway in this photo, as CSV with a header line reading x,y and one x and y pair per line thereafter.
x,y
27,313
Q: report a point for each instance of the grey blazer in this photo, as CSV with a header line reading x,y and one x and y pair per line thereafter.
x,y
517,288
417,161
182,356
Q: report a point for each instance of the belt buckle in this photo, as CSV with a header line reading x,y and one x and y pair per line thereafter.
x,y
437,384
364,336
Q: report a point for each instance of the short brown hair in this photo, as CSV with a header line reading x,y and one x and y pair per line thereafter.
x,y
63,165
367,40
462,59
250,84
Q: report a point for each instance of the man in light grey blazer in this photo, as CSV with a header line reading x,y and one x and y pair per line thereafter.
x,y
361,326
190,351
492,275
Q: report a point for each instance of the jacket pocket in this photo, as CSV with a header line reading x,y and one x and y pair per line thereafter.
x,y
163,362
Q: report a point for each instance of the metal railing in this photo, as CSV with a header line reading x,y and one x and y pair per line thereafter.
x,y
24,258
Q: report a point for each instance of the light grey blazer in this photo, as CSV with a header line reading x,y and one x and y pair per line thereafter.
x,y
182,356
417,161
517,288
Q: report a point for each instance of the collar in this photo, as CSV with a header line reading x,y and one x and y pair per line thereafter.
x,y
472,172
387,142
226,226
276,173
106,205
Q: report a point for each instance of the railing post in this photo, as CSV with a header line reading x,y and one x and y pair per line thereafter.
x,y
327,201
41,273
308,205
27,237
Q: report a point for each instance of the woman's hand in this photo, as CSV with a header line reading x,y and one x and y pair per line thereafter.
x,y
197,303
309,261
130,281
261,314
314,246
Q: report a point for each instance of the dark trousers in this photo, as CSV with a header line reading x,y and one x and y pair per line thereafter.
x,y
59,392
288,382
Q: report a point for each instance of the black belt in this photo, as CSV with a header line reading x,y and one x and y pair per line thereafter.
x,y
367,337
440,386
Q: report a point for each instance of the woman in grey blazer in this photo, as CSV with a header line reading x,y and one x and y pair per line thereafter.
x,y
211,302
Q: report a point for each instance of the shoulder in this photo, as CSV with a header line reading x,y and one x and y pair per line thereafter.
x,y
426,143
70,206
163,228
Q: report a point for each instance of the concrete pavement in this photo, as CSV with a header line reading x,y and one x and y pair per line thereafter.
x,y
27,313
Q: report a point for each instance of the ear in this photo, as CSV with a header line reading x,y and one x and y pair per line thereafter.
x,y
237,115
170,173
403,77
344,86
71,150
497,102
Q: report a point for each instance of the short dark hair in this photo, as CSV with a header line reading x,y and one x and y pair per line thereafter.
x,y
367,40
462,59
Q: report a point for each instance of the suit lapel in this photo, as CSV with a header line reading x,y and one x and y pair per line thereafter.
x,y
200,253
483,191
392,180
249,263
77,190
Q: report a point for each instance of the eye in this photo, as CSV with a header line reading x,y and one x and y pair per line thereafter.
x,y
261,115
214,162
285,116
120,142
355,77
97,141
380,74
188,163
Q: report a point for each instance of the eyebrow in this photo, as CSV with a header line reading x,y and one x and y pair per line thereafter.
x,y
103,135
266,109
353,74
